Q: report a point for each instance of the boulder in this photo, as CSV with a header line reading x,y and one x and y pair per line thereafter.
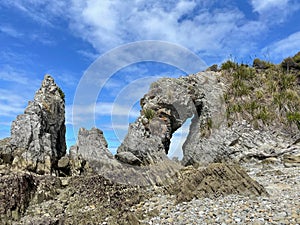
x,y
37,139
129,158
6,153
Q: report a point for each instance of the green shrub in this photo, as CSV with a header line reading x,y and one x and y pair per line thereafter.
x,y
61,93
294,117
296,57
149,113
286,81
264,115
262,64
229,65
244,72
213,67
240,88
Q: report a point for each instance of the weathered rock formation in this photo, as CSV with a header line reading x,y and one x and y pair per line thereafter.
x,y
170,102
91,145
91,151
218,179
37,139
91,156
167,105
17,190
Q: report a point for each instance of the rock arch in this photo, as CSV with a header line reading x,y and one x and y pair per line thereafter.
x,y
167,105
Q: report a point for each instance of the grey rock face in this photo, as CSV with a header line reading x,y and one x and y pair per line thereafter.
x,y
6,153
91,151
167,105
38,135
170,102
91,145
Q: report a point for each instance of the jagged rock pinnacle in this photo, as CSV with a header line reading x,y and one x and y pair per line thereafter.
x,y
38,135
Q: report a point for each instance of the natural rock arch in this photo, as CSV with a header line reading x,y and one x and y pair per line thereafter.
x,y
167,105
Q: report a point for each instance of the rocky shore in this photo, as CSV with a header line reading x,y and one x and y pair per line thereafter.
x,y
241,158
280,206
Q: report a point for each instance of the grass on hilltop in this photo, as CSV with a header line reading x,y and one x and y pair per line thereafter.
x,y
263,93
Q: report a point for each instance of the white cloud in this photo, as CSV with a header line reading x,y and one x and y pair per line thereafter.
x,y
274,11
194,24
99,109
178,139
8,73
89,55
261,6
9,30
285,47
44,12
107,24
11,104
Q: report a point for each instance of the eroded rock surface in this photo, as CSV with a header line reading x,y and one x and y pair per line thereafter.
x,y
16,192
211,138
218,179
91,151
37,139
167,105
91,145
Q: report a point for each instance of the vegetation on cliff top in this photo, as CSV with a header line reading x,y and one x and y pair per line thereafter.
x,y
263,93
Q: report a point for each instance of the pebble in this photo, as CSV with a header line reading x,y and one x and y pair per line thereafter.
x,y
282,206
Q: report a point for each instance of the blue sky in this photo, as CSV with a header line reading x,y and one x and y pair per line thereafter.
x,y
64,37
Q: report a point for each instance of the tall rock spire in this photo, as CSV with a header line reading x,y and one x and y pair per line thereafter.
x,y
38,135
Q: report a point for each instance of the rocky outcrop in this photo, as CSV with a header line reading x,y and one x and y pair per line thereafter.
x,y
91,145
6,153
91,151
167,105
90,156
216,180
212,137
17,190
37,139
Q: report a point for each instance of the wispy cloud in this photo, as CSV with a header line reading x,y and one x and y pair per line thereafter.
x,y
274,11
43,12
19,77
9,30
8,73
208,31
89,55
106,24
267,5
11,104
99,109
285,47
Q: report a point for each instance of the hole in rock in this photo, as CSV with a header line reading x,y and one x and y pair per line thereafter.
x,y
177,140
